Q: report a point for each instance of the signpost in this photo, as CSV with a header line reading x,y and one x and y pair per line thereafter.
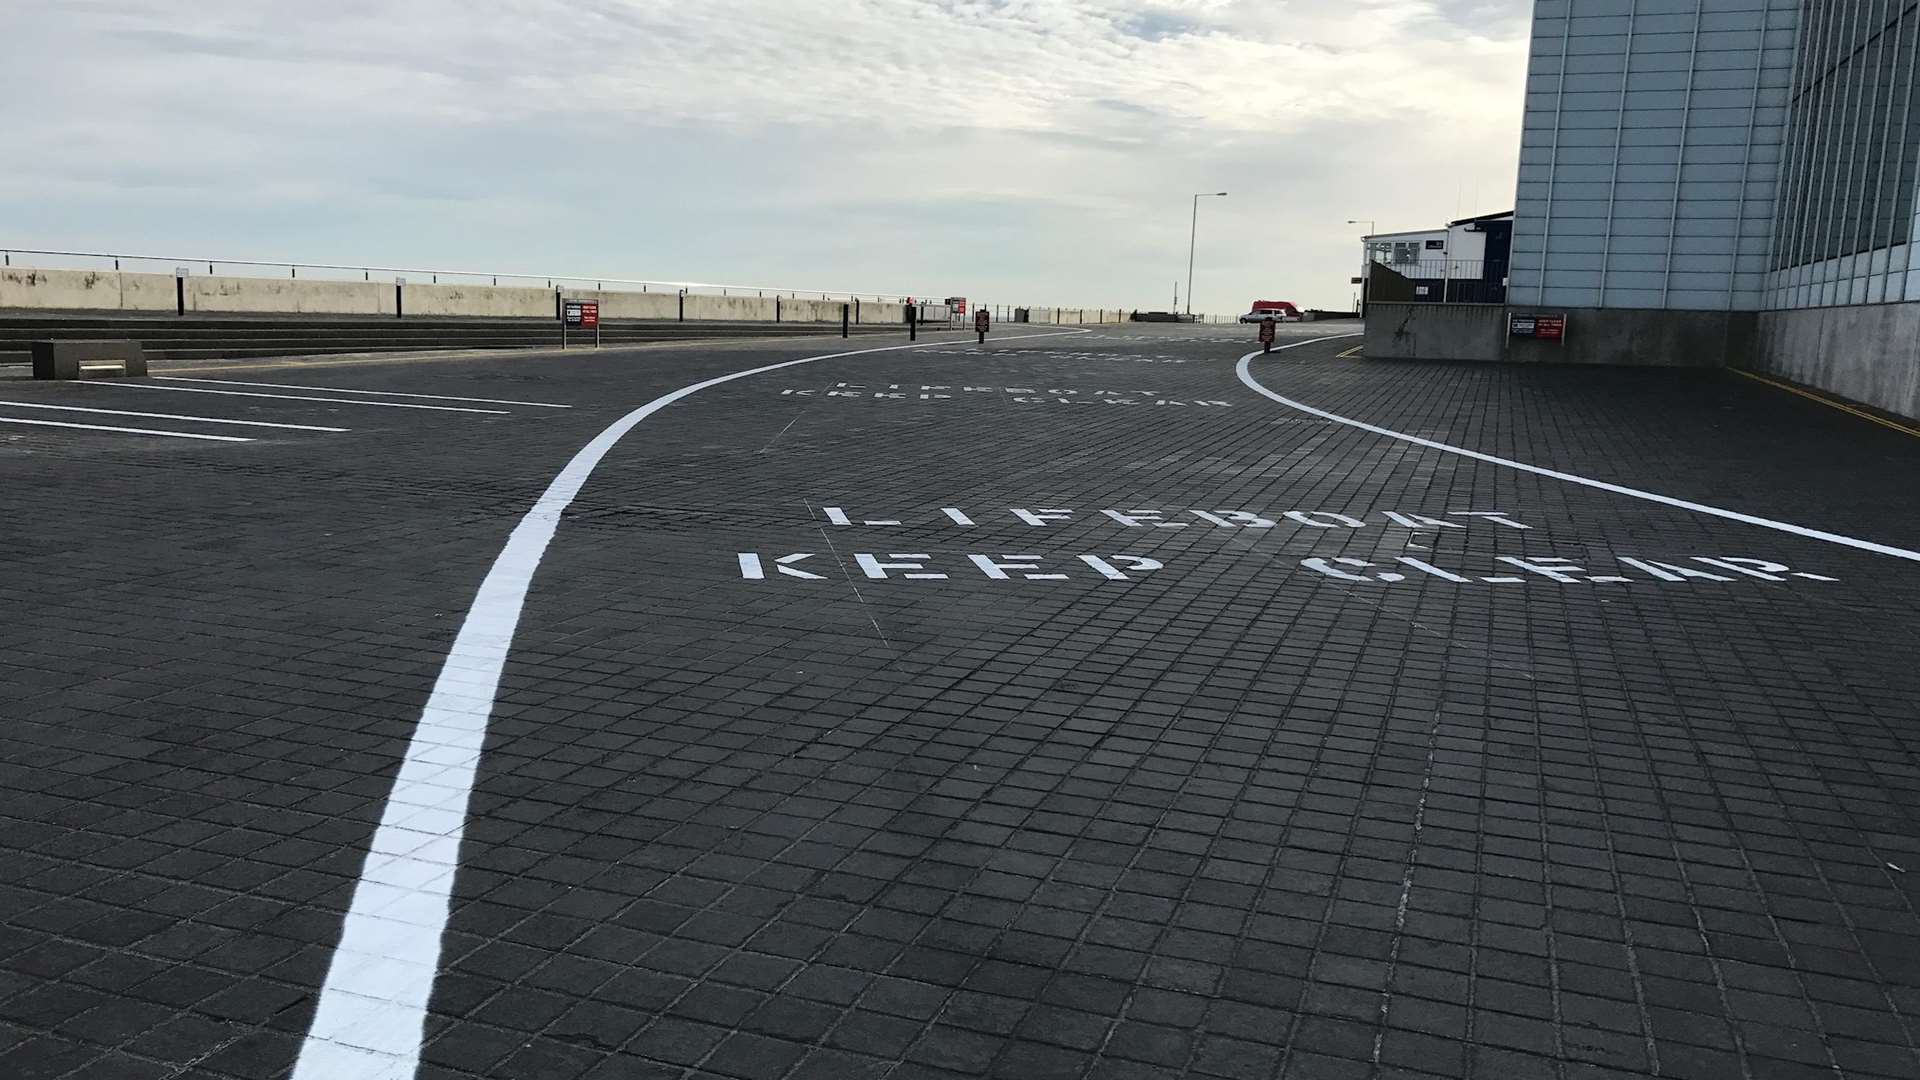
x,y
1266,335
981,322
1537,326
582,314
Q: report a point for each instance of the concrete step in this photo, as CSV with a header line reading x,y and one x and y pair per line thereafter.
x,y
395,332
235,340
258,342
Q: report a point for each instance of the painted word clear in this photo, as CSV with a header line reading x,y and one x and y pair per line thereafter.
x,y
957,517
1694,568
907,566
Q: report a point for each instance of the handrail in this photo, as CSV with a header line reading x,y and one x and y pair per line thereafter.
x,y
7,253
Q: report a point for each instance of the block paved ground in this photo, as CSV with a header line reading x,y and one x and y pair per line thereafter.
x,y
1202,807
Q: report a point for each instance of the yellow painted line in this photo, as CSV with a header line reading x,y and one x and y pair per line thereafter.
x,y
1829,402
1355,351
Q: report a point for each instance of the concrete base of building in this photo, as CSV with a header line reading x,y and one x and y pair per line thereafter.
x,y
1593,335
1868,353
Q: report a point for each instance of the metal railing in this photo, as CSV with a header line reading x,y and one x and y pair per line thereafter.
x,y
169,264
1443,281
1436,269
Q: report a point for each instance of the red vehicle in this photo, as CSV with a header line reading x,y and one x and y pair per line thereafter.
x,y
1277,310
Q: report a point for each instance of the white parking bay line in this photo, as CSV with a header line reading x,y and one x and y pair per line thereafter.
x,y
375,393
165,416
289,397
121,430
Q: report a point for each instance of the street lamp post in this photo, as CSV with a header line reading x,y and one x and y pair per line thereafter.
x,y
1366,261
1193,233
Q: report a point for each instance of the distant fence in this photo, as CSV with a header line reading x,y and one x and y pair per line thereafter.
x,y
281,268
1439,281
124,275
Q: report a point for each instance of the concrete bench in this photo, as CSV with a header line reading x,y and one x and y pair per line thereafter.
x,y
69,359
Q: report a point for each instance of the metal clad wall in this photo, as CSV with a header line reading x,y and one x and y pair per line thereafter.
x,y
1650,152
1845,220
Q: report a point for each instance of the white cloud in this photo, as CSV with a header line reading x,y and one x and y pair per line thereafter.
x,y
875,142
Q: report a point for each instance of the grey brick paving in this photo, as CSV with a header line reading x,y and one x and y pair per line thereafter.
x,y
1232,818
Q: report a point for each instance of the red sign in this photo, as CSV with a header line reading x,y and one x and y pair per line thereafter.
x,y
583,313
1266,331
958,303
1538,327
980,320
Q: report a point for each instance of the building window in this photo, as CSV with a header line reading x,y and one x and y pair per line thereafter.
x,y
1854,142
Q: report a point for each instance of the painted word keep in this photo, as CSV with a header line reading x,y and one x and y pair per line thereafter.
x,y
908,566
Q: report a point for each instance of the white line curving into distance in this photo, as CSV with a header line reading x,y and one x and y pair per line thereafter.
x,y
1246,376
373,1005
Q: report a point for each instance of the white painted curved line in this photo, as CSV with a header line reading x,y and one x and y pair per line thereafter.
x,y
373,1005
1246,376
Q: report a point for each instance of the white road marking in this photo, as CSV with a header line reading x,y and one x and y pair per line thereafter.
x,y
375,393
122,430
290,397
166,416
1246,376
373,1005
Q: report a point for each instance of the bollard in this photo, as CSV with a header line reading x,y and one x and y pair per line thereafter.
x,y
913,324
844,318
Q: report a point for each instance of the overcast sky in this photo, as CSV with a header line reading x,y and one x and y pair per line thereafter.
x,y
1037,151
